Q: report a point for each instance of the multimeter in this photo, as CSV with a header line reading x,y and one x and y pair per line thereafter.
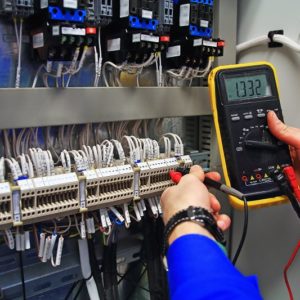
x,y
241,96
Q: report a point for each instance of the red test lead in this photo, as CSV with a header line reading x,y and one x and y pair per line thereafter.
x,y
180,171
290,174
175,176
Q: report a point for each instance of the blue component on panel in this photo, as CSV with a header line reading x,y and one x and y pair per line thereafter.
x,y
207,2
23,177
146,24
199,31
77,15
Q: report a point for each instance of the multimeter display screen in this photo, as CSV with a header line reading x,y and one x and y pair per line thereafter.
x,y
247,87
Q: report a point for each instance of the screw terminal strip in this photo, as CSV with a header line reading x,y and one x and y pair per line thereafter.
x,y
5,203
60,195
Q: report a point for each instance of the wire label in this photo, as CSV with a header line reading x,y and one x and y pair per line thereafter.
x,y
184,18
38,40
114,45
124,8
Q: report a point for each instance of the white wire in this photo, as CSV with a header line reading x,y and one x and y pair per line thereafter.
x,y
19,66
96,81
37,75
160,70
252,43
100,54
157,71
109,63
286,41
16,30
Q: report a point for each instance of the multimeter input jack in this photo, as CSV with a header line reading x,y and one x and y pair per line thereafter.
x,y
244,178
258,176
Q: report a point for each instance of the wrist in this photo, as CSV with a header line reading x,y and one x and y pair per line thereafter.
x,y
186,222
188,227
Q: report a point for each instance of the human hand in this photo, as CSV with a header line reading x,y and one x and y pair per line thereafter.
x,y
288,135
192,191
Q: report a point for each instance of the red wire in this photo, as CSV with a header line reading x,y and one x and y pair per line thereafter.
x,y
286,269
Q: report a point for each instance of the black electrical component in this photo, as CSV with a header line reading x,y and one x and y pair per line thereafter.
x,y
194,18
58,41
17,8
165,16
129,46
192,52
59,27
99,12
134,14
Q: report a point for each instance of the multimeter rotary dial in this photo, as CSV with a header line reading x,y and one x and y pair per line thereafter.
x,y
260,139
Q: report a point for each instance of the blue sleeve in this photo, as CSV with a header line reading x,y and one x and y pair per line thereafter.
x,y
199,269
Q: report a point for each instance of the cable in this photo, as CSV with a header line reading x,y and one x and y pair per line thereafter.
x,y
22,275
136,285
41,67
95,268
110,267
86,269
245,227
284,186
286,269
79,289
261,40
19,43
74,285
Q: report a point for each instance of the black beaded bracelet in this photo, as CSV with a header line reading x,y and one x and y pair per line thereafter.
x,y
198,215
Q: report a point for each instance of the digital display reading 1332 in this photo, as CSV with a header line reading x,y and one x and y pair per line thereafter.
x,y
247,87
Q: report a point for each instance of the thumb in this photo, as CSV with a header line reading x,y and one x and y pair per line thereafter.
x,y
286,134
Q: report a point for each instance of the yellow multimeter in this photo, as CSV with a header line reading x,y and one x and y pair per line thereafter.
x,y
241,96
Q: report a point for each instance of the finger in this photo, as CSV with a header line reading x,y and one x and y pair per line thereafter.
x,y
286,134
214,202
197,171
214,175
223,222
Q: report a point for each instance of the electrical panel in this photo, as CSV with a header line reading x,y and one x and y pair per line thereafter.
x,y
173,38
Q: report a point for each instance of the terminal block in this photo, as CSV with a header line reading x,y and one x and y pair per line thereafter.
x,y
20,8
115,184
144,175
45,197
159,174
5,203
109,186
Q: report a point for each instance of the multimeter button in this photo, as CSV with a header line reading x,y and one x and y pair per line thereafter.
x,y
248,117
235,118
261,115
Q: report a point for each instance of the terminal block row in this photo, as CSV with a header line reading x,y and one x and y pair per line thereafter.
x,y
44,198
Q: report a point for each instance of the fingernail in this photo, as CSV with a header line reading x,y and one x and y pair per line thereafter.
x,y
271,112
